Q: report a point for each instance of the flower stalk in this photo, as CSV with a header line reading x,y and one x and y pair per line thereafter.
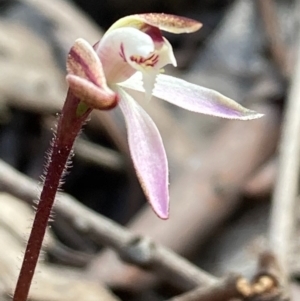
x,y
69,126
86,92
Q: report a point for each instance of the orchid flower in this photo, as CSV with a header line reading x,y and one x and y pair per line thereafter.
x,y
131,55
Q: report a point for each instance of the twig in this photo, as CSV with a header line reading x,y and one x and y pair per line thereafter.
x,y
286,188
277,47
223,290
68,256
262,182
268,279
173,268
265,285
99,155
268,265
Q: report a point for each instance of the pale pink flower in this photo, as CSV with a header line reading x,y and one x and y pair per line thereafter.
x,y
131,55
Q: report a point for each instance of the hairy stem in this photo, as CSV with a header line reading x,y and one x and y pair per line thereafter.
x,y
68,128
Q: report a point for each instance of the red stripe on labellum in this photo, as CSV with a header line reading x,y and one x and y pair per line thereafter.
x,y
122,53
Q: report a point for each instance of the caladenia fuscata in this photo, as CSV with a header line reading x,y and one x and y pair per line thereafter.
x,y
130,56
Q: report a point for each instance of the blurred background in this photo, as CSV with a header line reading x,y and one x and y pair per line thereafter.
x,y
222,173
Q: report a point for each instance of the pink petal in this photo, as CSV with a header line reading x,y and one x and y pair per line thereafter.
x,y
199,99
194,98
148,154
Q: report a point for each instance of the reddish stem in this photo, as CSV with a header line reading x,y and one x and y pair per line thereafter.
x,y
68,128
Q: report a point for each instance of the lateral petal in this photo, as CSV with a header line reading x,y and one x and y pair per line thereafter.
x,y
193,97
148,154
